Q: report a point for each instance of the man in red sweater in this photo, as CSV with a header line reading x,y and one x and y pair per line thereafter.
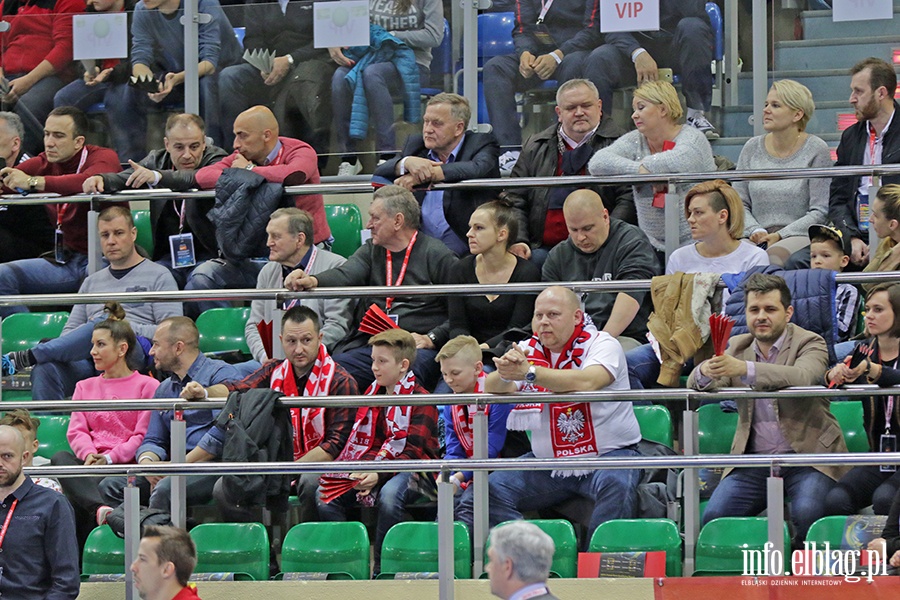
x,y
284,160
62,168
36,58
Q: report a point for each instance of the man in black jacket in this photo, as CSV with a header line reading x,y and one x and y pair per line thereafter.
x,y
172,167
445,152
564,149
299,83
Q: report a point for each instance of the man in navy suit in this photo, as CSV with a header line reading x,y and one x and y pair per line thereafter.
x,y
445,152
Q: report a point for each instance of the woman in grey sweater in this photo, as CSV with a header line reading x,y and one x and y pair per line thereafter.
x,y
779,212
659,145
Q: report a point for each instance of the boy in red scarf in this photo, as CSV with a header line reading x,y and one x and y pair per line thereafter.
x,y
387,433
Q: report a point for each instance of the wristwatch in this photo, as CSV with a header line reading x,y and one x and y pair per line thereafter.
x,y
249,166
432,337
32,183
531,375
290,59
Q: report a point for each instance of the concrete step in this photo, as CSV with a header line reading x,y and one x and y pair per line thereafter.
x,y
730,147
832,54
818,25
735,120
827,85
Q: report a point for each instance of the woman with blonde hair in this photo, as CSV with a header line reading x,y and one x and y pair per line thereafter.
x,y
660,144
778,212
884,218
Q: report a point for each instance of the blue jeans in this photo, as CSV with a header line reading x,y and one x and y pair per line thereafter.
x,y
743,494
358,363
39,276
198,491
643,367
502,73
688,51
33,108
378,79
122,133
391,502
220,274
613,491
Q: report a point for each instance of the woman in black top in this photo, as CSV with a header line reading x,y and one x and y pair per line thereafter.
x,y
876,361
492,229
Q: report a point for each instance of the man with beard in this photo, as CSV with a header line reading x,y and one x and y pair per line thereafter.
x,y
775,354
873,140
38,532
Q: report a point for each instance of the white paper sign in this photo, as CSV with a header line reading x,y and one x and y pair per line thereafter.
x,y
341,24
629,15
862,10
100,36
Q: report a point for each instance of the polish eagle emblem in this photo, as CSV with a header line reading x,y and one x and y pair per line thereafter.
x,y
571,425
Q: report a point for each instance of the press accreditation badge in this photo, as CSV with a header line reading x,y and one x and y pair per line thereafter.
x,y
181,247
888,443
862,211
395,319
59,250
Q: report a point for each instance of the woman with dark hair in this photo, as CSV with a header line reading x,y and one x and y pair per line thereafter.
x,y
105,437
492,229
877,359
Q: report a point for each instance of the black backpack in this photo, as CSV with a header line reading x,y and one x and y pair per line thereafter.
x,y
257,429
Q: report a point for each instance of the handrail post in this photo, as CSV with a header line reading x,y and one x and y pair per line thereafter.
x,y
446,545
277,318
691,492
480,491
132,533
178,499
673,222
95,253
775,512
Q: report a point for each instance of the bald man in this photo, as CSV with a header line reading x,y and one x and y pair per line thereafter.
x,y
41,557
288,161
565,354
601,248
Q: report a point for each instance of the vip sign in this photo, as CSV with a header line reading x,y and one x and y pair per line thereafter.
x,y
629,15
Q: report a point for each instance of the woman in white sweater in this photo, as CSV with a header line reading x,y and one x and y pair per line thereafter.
x,y
659,145
778,213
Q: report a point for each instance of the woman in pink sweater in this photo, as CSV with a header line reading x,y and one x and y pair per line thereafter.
x,y
105,437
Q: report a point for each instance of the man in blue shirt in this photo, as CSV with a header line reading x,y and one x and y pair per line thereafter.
x,y
176,350
41,558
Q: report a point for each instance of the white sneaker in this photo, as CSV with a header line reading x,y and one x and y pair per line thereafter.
x,y
347,169
507,161
699,121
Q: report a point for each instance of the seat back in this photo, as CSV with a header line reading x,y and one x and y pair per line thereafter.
x,y
104,553
412,547
222,330
232,548
345,222
718,28
641,535
334,548
715,429
441,65
144,231
23,331
52,435
565,555
849,415
655,422
495,35
722,542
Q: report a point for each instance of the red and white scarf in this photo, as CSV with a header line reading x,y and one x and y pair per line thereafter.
x,y
462,418
571,425
308,423
363,434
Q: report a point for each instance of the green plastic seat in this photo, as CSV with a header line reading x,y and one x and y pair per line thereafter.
x,y
655,422
715,429
846,532
412,547
849,415
23,331
721,542
104,553
144,231
222,330
339,549
565,556
345,222
232,548
52,435
641,535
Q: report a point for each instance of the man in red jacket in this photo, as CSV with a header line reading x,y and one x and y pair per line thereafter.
x,y
36,58
62,168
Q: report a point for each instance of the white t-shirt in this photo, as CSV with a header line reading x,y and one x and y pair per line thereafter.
x,y
687,260
614,423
